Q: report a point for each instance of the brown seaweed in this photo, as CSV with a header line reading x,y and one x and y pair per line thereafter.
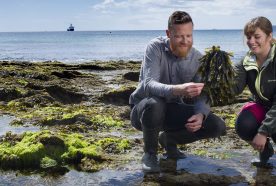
x,y
217,73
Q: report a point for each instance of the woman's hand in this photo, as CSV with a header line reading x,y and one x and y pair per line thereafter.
x,y
259,141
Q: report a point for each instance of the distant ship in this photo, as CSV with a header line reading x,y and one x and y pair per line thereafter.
x,y
71,28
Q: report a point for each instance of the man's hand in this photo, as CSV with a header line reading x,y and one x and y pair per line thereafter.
x,y
188,89
259,141
194,123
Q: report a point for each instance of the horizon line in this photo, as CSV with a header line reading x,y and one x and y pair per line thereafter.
x,y
211,29
203,29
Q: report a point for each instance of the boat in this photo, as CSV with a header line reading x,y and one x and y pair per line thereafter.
x,y
71,28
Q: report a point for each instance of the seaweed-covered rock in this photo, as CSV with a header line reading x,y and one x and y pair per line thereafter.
x,y
8,94
44,148
132,76
65,96
47,163
68,120
33,75
68,74
51,140
119,96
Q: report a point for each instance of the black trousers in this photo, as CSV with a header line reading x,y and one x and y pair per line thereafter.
x,y
247,126
154,114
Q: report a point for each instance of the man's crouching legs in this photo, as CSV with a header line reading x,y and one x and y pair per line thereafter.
x,y
150,113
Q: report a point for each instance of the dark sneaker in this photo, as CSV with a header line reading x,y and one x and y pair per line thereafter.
x,y
150,163
264,156
177,154
267,152
174,153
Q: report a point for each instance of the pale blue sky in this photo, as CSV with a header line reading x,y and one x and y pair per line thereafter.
x,y
56,15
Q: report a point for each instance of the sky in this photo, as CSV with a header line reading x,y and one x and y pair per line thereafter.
x,y
89,15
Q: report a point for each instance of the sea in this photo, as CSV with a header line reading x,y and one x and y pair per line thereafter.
x,y
87,46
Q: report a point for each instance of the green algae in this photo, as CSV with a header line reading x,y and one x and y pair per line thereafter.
x,y
106,121
114,144
22,82
229,118
47,162
50,149
51,115
30,151
77,146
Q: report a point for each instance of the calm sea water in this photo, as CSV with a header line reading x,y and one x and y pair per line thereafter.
x,y
84,46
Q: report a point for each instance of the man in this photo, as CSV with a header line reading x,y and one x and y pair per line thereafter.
x,y
168,96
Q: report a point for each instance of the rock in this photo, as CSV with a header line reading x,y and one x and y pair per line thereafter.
x,y
67,74
8,94
47,163
118,96
132,76
64,96
51,140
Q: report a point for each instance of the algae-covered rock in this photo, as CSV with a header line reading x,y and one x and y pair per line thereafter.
x,y
132,76
47,162
51,140
65,96
46,149
105,121
65,99
68,74
8,94
113,145
119,96
36,149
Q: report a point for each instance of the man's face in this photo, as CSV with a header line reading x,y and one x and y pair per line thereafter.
x,y
181,38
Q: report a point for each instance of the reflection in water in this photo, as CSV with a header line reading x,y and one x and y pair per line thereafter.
x,y
267,176
195,171
198,165
5,126
73,178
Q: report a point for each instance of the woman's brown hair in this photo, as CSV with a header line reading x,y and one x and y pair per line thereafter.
x,y
258,22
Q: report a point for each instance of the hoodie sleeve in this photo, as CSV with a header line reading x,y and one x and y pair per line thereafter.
x,y
268,126
201,105
151,73
240,78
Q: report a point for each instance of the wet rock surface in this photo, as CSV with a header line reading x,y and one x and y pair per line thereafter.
x,y
90,101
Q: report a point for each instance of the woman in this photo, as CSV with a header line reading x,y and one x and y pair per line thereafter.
x,y
256,122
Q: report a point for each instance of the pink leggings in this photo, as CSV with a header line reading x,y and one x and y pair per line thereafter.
x,y
249,120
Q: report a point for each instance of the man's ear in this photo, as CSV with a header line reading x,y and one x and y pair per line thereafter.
x,y
168,33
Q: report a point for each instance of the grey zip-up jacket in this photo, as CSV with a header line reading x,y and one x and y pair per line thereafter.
x,y
262,84
161,69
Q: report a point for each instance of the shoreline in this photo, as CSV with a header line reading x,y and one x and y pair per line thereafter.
x,y
73,62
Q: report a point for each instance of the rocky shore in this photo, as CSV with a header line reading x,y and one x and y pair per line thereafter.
x,y
82,115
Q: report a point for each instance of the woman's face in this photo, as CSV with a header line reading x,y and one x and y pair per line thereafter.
x,y
259,43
